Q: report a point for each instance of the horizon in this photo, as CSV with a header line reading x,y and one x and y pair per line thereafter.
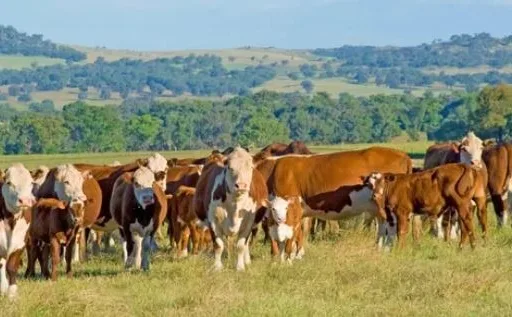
x,y
158,25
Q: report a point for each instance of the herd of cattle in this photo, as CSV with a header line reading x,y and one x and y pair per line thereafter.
x,y
227,195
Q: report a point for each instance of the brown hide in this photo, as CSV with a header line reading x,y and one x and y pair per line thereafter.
x,y
442,153
498,160
430,192
279,149
325,180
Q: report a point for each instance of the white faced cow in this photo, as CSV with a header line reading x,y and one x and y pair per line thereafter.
x,y
227,198
15,211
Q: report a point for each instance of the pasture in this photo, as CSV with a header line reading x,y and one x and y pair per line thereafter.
x,y
341,274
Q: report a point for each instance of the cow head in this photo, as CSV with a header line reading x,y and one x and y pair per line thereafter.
x,y
17,189
377,183
279,209
471,149
157,164
39,176
239,169
69,183
143,179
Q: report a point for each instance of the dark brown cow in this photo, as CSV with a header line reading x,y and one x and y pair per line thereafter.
x,y
498,160
84,185
279,149
185,222
139,207
330,185
55,224
214,156
227,198
429,192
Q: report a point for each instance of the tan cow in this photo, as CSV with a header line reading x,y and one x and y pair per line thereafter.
x,y
55,224
16,202
331,185
139,206
429,192
185,222
227,198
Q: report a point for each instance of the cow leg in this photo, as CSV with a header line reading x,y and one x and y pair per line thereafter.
x,y
241,254
146,251
481,205
403,228
55,250
274,247
300,243
416,228
466,222
381,233
32,255
70,254
194,232
129,247
218,247
96,237
136,254
4,283
183,238
499,204
76,249
44,260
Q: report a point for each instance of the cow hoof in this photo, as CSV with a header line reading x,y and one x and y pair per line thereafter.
x,y
240,268
289,261
216,268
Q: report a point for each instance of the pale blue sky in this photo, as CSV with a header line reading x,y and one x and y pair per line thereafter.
x,y
173,24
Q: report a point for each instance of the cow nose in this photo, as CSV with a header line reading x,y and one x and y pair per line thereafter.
x,y
241,186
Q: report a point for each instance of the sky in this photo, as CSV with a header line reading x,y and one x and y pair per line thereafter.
x,y
212,24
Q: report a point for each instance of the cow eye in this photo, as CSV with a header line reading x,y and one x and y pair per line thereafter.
x,y
67,183
9,183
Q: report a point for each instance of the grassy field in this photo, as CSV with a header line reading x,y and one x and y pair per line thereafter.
x,y
342,274
19,61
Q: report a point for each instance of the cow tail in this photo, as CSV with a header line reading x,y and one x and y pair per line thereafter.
x,y
466,181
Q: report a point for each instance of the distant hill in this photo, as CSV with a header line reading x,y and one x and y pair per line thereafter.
x,y
460,51
13,42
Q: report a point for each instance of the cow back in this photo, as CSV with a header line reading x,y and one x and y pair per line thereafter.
x,y
498,160
439,154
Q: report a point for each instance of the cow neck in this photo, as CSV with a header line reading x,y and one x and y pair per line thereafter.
x,y
143,216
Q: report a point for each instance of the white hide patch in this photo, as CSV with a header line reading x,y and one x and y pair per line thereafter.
x,y
18,236
143,180
69,183
17,188
471,149
157,163
281,232
279,208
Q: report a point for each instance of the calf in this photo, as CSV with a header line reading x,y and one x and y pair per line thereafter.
x,y
227,198
55,224
139,207
285,227
16,202
429,192
185,222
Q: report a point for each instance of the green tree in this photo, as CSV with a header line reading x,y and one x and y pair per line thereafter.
x,y
307,85
141,132
494,110
263,128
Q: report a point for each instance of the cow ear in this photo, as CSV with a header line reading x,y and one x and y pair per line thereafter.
x,y
86,174
61,205
172,162
142,162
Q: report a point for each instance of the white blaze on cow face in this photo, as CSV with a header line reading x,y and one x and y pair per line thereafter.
x,y
279,210
239,168
17,189
143,180
158,165
471,149
69,184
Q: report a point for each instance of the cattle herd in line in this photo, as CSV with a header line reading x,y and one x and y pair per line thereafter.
x,y
227,195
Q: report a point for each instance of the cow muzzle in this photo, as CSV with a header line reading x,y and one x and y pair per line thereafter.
x,y
25,202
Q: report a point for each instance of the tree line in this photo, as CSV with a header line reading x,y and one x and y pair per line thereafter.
x,y
13,42
462,50
254,120
202,75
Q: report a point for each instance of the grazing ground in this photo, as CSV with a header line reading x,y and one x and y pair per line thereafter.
x,y
342,274
20,61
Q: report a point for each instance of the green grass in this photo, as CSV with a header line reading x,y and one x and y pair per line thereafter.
x,y
19,61
341,275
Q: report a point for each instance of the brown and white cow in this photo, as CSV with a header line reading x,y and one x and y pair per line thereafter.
x,y
429,192
285,226
68,184
106,177
16,202
185,222
331,185
55,224
469,151
227,198
139,207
